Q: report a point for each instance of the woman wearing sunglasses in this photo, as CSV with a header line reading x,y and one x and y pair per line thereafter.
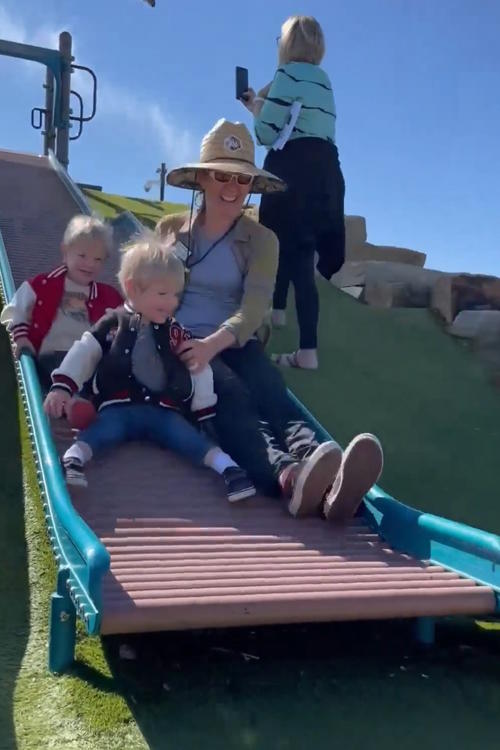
x,y
231,264
295,120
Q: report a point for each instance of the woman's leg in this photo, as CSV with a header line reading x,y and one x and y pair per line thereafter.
x,y
243,433
313,467
282,283
269,393
301,265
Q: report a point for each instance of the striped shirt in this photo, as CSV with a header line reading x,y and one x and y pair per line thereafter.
x,y
307,84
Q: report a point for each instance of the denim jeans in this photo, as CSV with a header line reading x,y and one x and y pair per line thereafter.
x,y
256,420
167,428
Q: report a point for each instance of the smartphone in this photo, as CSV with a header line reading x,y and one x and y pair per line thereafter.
x,y
241,81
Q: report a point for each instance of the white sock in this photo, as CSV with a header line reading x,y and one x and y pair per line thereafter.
x,y
217,460
79,450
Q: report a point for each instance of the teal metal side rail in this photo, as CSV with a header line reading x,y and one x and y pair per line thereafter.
x,y
464,549
82,558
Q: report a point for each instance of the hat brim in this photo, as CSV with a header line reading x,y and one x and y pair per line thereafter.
x,y
263,181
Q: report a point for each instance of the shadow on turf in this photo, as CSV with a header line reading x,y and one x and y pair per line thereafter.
x,y
288,687
14,585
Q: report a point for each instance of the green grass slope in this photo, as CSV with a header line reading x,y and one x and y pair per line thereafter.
x,y
148,212
398,374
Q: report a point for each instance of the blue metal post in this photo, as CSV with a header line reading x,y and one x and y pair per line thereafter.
x,y
425,630
62,633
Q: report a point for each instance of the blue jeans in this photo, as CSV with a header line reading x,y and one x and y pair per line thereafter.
x,y
169,429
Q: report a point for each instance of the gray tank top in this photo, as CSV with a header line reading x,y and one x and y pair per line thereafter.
x,y
214,289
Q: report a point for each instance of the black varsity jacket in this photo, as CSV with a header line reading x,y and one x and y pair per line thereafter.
x,y
104,356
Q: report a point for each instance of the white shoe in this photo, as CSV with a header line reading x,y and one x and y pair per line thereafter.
x,y
361,468
314,477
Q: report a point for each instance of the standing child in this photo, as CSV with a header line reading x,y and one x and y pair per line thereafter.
x,y
49,312
143,391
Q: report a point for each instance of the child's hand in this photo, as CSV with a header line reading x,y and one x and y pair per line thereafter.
x,y
55,403
23,344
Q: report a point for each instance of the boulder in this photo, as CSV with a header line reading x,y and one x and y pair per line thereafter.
x,y
456,292
398,294
477,324
355,232
367,251
359,273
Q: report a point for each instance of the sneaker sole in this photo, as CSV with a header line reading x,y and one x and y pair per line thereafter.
x,y
361,468
76,482
235,496
313,481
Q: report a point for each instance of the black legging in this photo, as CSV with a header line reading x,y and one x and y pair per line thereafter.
x,y
308,217
256,421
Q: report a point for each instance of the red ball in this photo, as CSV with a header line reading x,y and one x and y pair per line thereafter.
x,y
81,414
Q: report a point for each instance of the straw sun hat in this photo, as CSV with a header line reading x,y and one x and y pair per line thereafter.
x,y
228,147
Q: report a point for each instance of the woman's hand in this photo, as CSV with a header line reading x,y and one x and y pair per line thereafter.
x,y
56,402
196,354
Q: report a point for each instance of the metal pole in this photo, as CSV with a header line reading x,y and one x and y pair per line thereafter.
x,y
163,174
62,147
49,135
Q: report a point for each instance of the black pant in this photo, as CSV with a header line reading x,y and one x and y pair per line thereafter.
x,y
307,218
256,421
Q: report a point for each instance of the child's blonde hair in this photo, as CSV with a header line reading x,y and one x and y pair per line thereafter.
x,y
90,228
148,258
301,40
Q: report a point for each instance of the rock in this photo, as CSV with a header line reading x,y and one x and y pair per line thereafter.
x,y
457,292
355,232
358,273
477,324
367,251
353,291
400,294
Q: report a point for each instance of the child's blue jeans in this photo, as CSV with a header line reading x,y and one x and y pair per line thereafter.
x,y
165,427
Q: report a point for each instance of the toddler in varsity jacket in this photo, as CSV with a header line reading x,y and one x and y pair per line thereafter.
x,y
49,312
141,388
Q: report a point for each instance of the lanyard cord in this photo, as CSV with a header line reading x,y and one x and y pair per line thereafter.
x,y
189,266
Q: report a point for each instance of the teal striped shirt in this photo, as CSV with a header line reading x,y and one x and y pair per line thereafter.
x,y
307,84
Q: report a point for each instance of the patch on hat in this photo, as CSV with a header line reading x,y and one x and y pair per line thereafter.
x,y
232,143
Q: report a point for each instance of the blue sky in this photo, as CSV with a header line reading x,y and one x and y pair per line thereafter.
x,y
417,86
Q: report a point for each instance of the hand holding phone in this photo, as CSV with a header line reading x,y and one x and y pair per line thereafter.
x,y
241,82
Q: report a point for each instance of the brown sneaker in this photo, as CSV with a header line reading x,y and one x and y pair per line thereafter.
x,y
361,468
315,475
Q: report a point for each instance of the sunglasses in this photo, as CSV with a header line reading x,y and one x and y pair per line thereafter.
x,y
241,179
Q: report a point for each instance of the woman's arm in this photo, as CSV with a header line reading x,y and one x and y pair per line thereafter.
x,y
273,113
258,285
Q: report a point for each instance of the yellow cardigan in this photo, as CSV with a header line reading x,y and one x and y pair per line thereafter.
x,y
256,251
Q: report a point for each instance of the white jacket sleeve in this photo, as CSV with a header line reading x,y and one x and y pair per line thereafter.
x,y
16,316
204,396
78,365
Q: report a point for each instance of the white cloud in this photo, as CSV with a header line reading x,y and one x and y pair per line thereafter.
x,y
10,28
177,144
